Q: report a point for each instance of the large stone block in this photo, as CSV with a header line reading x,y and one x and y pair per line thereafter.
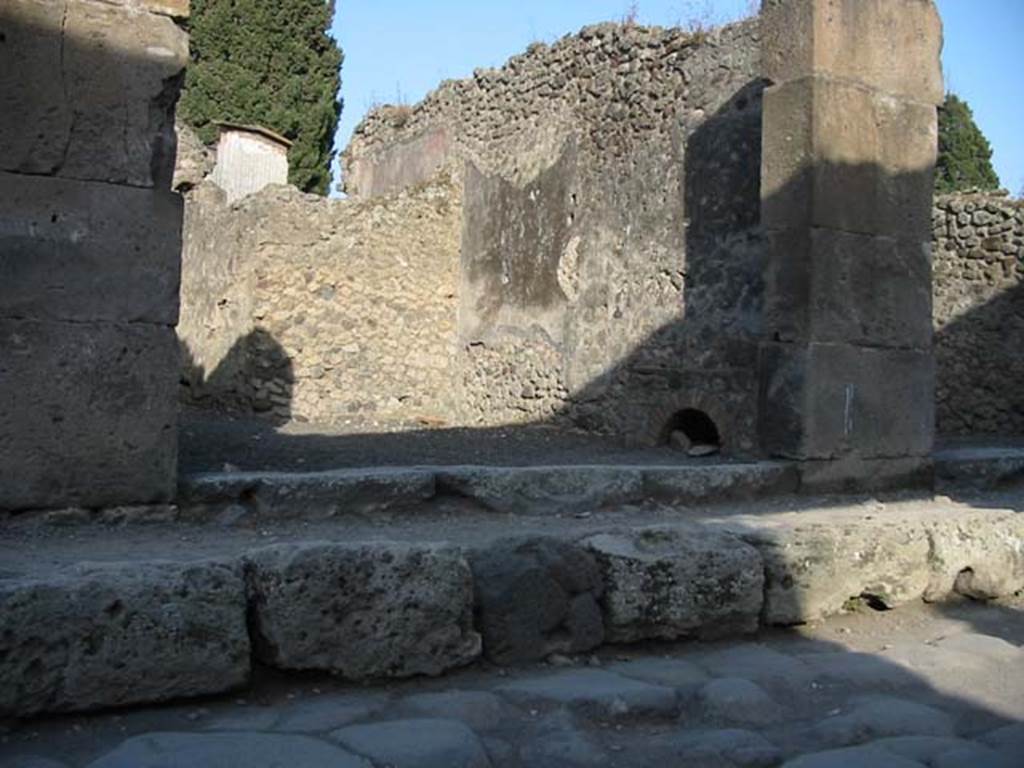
x,y
843,157
87,91
831,286
90,414
813,570
891,45
824,401
380,610
111,635
537,596
678,582
72,250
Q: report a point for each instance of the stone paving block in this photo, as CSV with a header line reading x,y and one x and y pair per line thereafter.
x,y
667,583
537,596
329,712
763,665
557,742
876,717
98,84
416,744
891,46
1009,738
852,757
112,635
363,611
28,761
930,749
79,251
227,750
824,401
731,746
682,675
811,571
480,710
872,175
90,414
738,701
594,691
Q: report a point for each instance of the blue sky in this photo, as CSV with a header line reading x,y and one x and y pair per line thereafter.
x,y
398,50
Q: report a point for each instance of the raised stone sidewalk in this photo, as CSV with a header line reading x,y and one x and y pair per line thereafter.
x,y
182,603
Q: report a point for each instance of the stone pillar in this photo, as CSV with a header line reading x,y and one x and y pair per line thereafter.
x,y
90,244
849,144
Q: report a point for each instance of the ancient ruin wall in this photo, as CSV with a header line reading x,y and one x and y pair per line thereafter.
x,y
979,314
611,190
301,307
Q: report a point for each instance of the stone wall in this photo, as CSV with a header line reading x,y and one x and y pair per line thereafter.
x,y
979,314
297,306
610,254
89,251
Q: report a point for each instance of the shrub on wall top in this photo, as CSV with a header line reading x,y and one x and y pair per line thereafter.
x,y
965,156
270,63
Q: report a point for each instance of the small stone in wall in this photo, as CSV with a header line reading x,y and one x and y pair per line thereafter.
x,y
679,440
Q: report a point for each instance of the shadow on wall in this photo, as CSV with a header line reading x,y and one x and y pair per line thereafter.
x,y
980,361
749,292
255,375
704,362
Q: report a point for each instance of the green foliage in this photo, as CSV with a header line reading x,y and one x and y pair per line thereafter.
x,y
965,156
270,63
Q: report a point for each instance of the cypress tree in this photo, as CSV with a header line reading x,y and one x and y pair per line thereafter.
x,y
965,156
271,63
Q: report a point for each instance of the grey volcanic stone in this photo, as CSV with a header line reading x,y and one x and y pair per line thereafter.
x,y
326,713
30,761
1008,739
480,710
759,663
121,634
874,717
594,691
537,596
556,741
735,700
680,674
732,747
673,582
227,750
852,757
936,751
416,744
377,610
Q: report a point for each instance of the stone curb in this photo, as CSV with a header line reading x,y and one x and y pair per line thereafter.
x,y
96,636
509,490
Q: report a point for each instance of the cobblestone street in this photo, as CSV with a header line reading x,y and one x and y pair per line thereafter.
x,y
921,685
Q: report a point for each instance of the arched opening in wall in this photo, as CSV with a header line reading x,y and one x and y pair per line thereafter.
x,y
693,431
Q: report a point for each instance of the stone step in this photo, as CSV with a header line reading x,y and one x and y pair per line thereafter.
x,y
985,467
92,617
532,490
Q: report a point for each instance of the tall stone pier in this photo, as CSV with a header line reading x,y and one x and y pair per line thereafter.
x,y
90,243
849,145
